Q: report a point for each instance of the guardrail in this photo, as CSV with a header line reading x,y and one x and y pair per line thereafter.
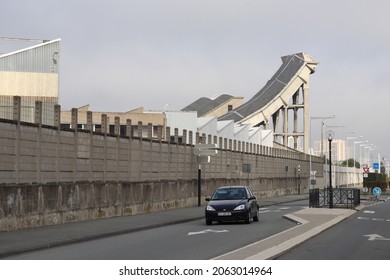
x,y
342,197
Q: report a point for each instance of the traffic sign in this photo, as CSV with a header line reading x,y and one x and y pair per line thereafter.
x,y
205,149
205,146
205,152
376,165
377,191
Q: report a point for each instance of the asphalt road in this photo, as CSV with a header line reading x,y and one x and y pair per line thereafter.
x,y
364,236
191,241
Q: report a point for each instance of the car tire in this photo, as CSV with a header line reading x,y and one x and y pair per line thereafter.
x,y
209,222
256,217
248,218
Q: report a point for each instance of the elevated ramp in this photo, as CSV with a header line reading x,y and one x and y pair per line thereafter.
x,y
281,93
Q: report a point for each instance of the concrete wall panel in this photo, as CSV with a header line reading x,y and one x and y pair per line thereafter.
x,y
55,176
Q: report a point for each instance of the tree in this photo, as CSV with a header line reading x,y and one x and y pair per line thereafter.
x,y
351,163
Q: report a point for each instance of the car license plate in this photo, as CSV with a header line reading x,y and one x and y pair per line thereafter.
x,y
224,214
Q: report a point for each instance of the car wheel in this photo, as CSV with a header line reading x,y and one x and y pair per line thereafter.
x,y
248,218
256,217
209,222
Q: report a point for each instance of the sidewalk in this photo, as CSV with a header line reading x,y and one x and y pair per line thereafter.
x,y
20,241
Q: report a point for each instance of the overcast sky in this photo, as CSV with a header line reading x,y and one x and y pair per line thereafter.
x,y
118,55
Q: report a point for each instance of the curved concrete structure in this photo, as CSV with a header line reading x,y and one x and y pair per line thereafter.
x,y
288,89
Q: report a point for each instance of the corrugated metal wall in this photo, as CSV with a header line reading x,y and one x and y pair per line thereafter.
x,y
42,58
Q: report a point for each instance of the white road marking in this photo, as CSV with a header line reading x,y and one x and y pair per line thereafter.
x,y
369,212
374,236
206,231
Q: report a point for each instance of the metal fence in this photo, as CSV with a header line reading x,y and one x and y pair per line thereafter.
x,y
342,197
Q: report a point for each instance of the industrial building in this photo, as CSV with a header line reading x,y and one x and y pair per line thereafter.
x,y
276,115
33,74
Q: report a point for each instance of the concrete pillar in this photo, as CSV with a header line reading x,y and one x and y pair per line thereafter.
x,y
104,124
17,108
57,115
184,137
139,130
74,119
128,128
150,131
197,138
38,121
38,112
190,137
160,133
295,110
176,136
203,140
117,125
89,121
168,134
285,125
306,117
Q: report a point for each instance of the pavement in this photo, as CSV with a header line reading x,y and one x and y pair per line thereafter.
x,y
310,221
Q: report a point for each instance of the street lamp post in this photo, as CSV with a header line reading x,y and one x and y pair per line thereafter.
x,y
354,158
337,152
347,158
330,138
310,147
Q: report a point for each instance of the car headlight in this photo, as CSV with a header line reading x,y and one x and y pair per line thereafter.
x,y
210,208
240,207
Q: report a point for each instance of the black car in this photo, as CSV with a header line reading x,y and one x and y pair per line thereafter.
x,y
232,203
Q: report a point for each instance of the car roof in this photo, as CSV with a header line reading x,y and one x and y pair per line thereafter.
x,y
232,187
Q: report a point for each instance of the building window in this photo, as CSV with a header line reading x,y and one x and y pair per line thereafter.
x,y
230,108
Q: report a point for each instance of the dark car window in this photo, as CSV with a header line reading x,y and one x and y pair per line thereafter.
x,y
250,194
230,194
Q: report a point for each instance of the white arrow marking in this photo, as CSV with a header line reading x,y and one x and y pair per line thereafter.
x,y
374,236
206,231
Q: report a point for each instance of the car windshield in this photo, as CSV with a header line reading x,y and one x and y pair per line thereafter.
x,y
229,194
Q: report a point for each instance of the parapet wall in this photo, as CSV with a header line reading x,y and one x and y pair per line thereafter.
x,y
50,176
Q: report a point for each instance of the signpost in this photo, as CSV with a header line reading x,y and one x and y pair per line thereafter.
x,y
377,191
366,169
203,153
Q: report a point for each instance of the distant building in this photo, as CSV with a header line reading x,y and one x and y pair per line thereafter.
x,y
338,149
157,119
33,74
216,107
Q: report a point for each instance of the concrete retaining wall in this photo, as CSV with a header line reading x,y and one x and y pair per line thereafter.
x,y
50,176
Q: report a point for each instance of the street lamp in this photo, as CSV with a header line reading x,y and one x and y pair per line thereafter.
x,y
330,138
354,157
348,157
322,129
361,151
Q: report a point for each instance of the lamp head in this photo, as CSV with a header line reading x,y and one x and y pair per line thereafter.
x,y
330,135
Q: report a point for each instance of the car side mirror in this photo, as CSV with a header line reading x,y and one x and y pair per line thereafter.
x,y
207,198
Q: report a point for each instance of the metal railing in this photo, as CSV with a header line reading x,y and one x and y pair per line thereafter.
x,y
342,197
